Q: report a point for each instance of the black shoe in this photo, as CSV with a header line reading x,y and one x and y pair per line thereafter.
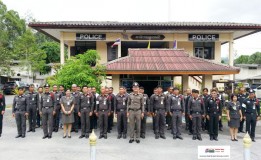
x,y
235,139
199,138
157,137
30,130
64,136
33,130
86,136
174,137
23,136
179,137
131,140
211,138
0,135
18,136
215,138
81,136
142,136
109,131
100,137
190,133
253,140
194,138
124,136
69,136
119,136
105,136
137,141
242,131
49,137
45,137
221,129
163,136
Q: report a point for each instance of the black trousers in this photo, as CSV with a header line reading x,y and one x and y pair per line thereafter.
x,y
213,124
85,121
196,124
20,122
103,122
1,122
169,120
38,118
122,122
56,118
110,122
220,123
32,117
160,122
241,127
143,124
94,120
75,126
251,124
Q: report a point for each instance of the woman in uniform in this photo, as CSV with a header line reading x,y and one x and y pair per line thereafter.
x,y
234,116
67,105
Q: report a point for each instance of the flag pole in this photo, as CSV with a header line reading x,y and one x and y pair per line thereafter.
x,y
119,50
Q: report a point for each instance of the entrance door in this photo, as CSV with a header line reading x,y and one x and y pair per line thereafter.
x,y
148,86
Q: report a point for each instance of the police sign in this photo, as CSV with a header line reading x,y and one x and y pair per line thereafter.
x,y
203,37
89,37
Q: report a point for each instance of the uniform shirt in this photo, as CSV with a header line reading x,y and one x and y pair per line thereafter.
x,y
159,101
176,102
57,97
121,102
252,106
241,98
103,103
87,101
234,109
32,99
19,104
39,98
196,105
47,100
213,106
146,100
76,96
2,102
135,101
67,103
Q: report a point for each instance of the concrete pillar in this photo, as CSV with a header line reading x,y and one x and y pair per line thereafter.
x,y
61,48
231,54
207,82
185,82
116,82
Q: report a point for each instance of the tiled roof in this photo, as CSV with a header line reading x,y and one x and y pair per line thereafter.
x,y
158,25
166,60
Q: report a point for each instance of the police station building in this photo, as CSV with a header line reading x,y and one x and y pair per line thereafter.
x,y
153,53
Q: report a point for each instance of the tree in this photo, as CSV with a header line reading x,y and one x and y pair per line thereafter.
x,y
28,52
80,70
52,50
255,58
243,59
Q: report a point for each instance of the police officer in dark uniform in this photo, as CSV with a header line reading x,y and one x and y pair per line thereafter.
x,y
94,118
196,110
160,108
242,95
177,109
2,111
76,95
32,102
214,112
168,117
146,112
112,99
252,113
56,118
121,112
86,111
222,100
155,90
187,118
135,109
39,98
20,111
47,111
103,110
205,97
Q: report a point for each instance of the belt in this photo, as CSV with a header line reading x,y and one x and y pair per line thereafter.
x,y
47,107
176,110
160,110
121,110
21,110
85,108
103,110
250,113
134,109
196,112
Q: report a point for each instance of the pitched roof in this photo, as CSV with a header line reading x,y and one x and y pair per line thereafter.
x,y
166,61
144,25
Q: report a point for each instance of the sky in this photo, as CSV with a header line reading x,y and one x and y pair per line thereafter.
x,y
243,11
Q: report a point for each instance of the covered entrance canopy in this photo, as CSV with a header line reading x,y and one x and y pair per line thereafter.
x,y
166,62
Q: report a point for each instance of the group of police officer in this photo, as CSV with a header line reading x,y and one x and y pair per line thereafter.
x,y
202,112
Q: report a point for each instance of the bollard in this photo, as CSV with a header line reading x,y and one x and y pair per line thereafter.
x,y
247,144
93,140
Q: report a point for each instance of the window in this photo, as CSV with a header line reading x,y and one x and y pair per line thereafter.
x,y
204,50
112,53
82,46
252,68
